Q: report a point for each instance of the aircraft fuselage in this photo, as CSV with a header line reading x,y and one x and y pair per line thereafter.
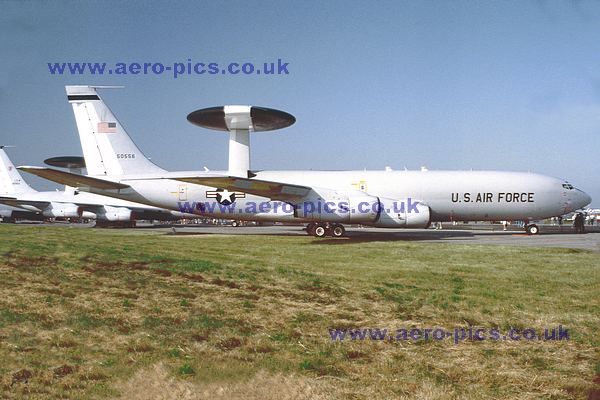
x,y
450,195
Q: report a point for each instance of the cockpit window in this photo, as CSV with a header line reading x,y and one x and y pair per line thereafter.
x,y
567,186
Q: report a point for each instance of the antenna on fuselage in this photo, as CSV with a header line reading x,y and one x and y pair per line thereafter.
x,y
239,121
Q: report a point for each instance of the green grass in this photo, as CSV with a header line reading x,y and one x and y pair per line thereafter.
x,y
88,313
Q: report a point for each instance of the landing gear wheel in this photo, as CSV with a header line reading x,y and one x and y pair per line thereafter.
x,y
235,224
532,229
338,230
320,230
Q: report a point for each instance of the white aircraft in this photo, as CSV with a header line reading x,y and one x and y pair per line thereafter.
x,y
70,203
11,214
324,199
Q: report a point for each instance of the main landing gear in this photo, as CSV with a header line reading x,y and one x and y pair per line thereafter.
x,y
319,229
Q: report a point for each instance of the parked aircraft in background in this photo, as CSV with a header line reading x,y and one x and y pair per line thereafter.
x,y
70,203
11,214
591,215
325,200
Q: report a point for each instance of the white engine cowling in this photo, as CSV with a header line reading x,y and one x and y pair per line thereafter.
x,y
62,210
360,208
328,206
407,213
88,215
116,214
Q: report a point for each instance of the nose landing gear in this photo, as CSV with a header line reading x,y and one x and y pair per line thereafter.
x,y
532,229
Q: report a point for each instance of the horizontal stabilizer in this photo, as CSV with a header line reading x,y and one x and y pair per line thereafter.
x,y
272,190
74,180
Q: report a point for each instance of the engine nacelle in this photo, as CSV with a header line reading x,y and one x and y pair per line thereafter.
x,y
88,215
62,210
406,213
329,206
116,214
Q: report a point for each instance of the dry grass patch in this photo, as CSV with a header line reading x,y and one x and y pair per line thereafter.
x,y
157,382
110,314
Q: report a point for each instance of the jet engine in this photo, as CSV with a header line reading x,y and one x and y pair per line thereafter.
x,y
349,208
62,210
406,213
361,208
116,214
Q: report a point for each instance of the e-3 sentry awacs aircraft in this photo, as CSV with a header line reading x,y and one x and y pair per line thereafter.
x,y
325,200
70,203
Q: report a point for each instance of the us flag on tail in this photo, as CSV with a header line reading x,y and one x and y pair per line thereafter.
x,y
107,127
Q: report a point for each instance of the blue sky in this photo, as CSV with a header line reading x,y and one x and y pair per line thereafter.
x,y
451,85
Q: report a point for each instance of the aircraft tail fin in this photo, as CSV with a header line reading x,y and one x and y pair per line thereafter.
x,y
107,148
11,181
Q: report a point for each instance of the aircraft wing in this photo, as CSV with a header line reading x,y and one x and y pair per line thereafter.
x,y
70,179
272,190
41,204
13,201
141,212
269,189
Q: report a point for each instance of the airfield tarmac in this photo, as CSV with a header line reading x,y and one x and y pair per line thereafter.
x,y
484,234
549,237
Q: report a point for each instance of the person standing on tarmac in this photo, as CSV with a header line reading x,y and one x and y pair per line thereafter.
x,y
578,223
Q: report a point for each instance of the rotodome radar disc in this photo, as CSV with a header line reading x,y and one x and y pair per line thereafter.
x,y
66,162
262,118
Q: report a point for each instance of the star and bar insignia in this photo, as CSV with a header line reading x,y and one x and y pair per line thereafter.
x,y
224,196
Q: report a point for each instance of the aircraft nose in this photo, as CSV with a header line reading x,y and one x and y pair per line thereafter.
x,y
583,199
